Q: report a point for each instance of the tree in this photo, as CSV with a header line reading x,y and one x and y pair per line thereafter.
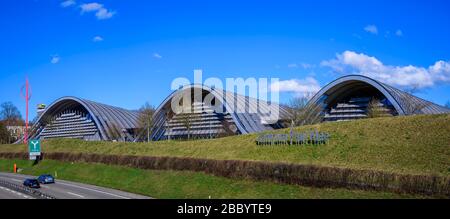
x,y
413,107
10,114
410,105
5,135
296,106
303,112
186,118
168,116
447,104
114,132
146,114
376,109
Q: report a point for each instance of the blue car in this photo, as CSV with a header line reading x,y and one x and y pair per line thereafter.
x,y
32,183
46,179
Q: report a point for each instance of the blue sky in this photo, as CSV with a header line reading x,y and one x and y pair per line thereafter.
x,y
125,53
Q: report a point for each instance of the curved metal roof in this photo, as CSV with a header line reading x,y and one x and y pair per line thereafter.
x,y
253,119
401,100
103,115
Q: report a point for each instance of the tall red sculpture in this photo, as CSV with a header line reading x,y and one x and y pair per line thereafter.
x,y
27,97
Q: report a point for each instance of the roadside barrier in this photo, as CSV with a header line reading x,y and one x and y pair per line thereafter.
x,y
25,190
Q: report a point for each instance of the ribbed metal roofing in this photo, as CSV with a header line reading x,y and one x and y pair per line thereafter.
x,y
104,116
255,117
405,100
402,101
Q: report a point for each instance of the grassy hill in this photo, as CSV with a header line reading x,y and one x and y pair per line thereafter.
x,y
413,144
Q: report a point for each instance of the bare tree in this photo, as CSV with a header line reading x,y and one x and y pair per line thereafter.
x,y
413,108
10,114
447,104
413,89
376,109
410,105
146,114
296,107
114,132
186,119
168,115
313,114
303,112
46,120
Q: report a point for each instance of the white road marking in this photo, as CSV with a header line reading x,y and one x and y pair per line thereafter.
x,y
75,194
76,186
16,193
95,190
16,180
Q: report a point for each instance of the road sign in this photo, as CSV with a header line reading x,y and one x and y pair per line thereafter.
x,y
34,147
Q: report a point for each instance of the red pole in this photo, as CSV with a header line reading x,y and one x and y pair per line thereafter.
x,y
27,99
26,117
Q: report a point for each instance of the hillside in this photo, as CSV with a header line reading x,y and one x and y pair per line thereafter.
x,y
187,184
413,144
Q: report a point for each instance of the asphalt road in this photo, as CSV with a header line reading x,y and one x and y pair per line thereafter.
x,y
6,193
64,190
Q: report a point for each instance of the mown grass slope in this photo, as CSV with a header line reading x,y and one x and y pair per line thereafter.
x,y
183,184
412,144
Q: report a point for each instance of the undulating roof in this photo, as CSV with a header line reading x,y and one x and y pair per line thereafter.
x,y
104,116
256,116
404,103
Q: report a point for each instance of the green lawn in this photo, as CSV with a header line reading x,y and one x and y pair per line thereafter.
x,y
183,184
412,144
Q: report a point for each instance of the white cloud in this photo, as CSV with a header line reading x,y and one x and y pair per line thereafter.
x,y
441,71
303,65
89,7
406,77
67,3
371,29
97,39
307,66
101,12
300,87
399,33
157,56
55,59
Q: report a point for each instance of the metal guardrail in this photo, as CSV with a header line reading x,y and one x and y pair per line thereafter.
x,y
25,190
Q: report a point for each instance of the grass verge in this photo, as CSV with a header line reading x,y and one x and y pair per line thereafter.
x,y
404,144
184,184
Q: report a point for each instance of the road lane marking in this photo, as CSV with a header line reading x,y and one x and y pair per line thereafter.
x,y
16,180
75,194
94,190
16,193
